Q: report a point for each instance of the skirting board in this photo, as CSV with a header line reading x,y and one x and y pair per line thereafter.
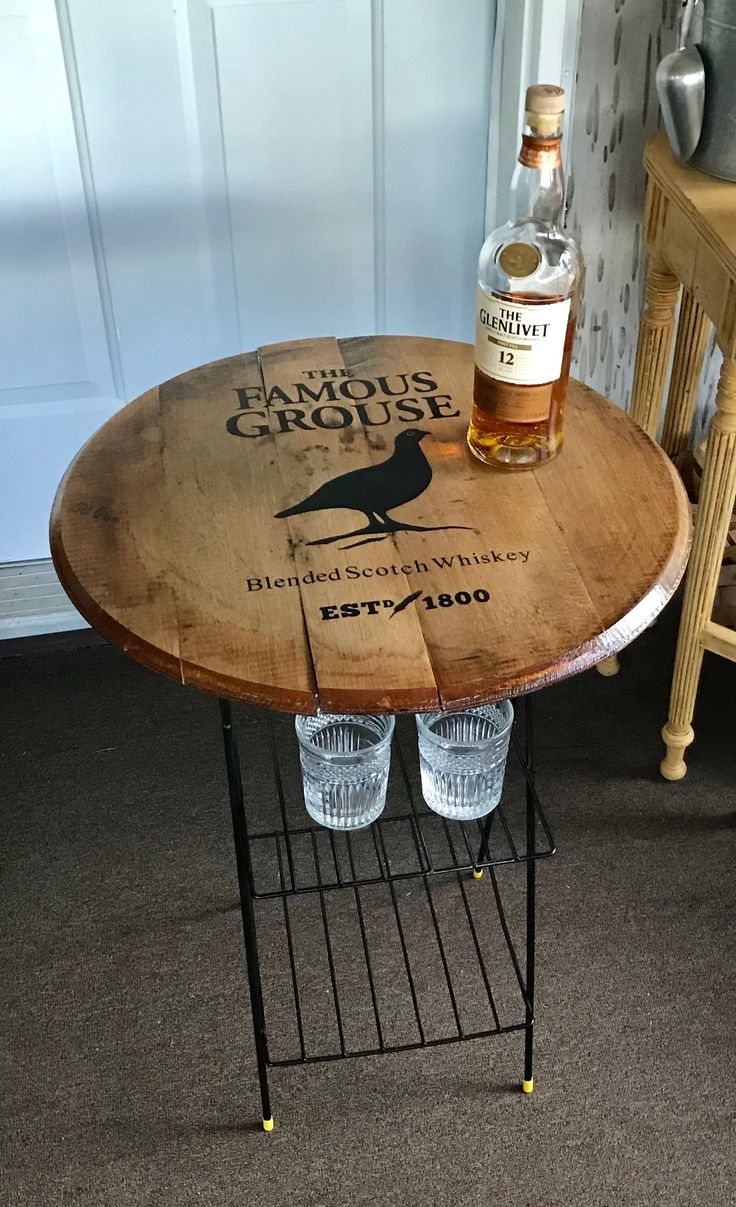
x,y
33,601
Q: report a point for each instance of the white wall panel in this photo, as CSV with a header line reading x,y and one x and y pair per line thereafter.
x,y
130,97
37,445
38,311
54,343
282,92
437,75
58,351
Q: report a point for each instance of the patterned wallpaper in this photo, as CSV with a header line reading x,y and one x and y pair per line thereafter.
x,y
616,111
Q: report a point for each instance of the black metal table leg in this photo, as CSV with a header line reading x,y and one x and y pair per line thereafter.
x,y
531,892
531,889
484,851
242,857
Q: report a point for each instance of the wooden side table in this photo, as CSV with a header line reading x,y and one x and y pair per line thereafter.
x,y
691,238
304,527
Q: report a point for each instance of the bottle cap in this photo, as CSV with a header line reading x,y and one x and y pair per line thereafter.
x,y
545,99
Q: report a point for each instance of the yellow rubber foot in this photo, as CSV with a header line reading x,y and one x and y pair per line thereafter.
x,y
477,873
268,1124
528,1086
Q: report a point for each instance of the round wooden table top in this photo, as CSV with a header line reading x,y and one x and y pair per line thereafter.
x,y
305,527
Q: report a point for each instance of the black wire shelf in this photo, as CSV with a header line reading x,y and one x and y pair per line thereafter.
x,y
381,940
389,967
294,857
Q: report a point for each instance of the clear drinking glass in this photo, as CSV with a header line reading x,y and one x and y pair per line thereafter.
x,y
345,763
462,758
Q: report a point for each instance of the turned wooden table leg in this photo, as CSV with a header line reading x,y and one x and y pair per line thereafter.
x,y
687,364
715,506
653,347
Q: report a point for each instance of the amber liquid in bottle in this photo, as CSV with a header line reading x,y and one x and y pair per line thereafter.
x,y
513,444
530,274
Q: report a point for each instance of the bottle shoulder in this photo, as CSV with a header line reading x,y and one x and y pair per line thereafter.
x,y
553,262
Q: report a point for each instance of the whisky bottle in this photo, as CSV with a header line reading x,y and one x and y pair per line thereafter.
x,y
529,280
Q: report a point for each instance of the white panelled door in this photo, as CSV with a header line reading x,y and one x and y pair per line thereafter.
x,y
184,179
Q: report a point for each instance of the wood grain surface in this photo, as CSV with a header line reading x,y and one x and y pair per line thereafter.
x,y
706,201
304,527
691,226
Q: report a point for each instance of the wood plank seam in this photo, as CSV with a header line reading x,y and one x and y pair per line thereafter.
x,y
323,691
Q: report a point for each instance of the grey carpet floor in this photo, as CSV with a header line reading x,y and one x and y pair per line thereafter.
x,y
128,1074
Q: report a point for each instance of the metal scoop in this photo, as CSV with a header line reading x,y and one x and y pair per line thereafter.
x,y
680,81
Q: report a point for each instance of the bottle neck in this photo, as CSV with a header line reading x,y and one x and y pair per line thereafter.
x,y
538,183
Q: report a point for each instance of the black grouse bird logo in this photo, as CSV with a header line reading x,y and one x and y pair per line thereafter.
x,y
376,490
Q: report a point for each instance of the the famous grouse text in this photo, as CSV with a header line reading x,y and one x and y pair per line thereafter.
x,y
520,342
331,399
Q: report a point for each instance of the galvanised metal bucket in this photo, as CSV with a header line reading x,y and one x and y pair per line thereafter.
x,y
716,149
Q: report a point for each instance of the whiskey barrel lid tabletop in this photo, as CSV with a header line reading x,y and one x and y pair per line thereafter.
x,y
304,527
